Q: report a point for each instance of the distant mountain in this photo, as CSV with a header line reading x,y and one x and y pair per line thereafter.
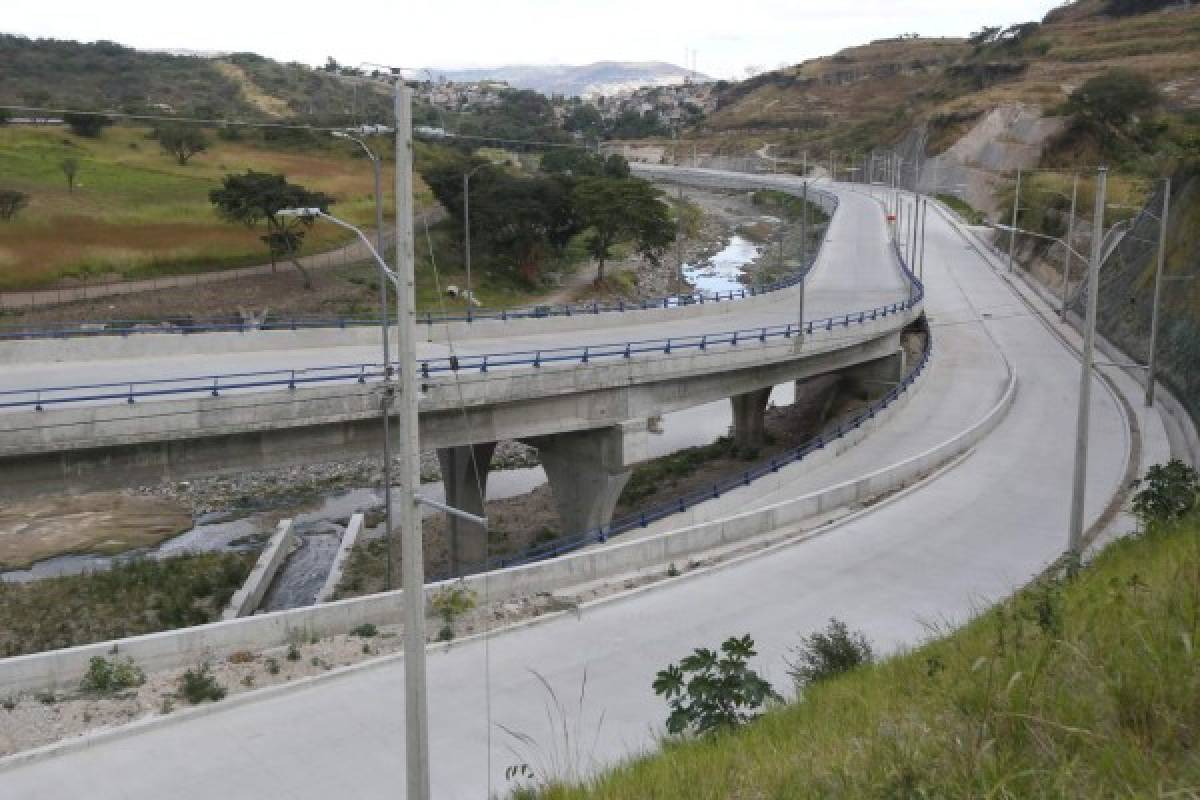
x,y
602,77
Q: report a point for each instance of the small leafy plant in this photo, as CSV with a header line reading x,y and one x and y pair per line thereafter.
x,y
828,653
105,675
450,603
198,685
708,691
365,631
1167,492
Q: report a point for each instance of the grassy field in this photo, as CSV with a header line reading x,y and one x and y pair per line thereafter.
x,y
133,598
136,213
1088,689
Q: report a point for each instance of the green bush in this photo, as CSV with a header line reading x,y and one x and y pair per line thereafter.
x,y
450,603
199,685
1113,96
366,631
827,653
105,676
709,691
1169,491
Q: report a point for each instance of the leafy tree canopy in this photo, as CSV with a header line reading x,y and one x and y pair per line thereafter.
x,y
255,198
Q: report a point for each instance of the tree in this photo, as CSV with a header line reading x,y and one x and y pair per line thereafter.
x,y
86,125
182,141
5,116
1113,97
11,202
623,208
70,170
255,198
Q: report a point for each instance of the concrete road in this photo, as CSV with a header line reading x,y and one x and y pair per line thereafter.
x,y
855,270
935,555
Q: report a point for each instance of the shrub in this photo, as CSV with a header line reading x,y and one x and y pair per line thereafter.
x,y
1168,492
199,685
828,653
272,665
293,652
707,691
105,676
450,603
1113,96
11,202
87,125
366,631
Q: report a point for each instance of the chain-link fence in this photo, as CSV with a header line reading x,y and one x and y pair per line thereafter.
x,y
1126,300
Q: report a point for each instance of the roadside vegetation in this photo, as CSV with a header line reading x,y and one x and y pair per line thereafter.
x,y
1075,687
134,597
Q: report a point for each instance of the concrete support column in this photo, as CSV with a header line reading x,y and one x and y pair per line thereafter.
x,y
875,377
464,474
587,471
749,418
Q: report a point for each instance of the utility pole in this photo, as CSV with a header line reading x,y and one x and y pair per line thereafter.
x,y
803,260
679,245
1158,280
804,169
1066,283
924,232
467,236
1012,235
1078,489
416,711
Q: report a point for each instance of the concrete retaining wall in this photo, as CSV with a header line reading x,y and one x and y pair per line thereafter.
x,y
178,648
340,558
246,600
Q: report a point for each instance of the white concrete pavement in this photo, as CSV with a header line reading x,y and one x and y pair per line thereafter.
x,y
965,539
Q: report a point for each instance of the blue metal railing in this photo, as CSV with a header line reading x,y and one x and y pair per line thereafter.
x,y
644,518
215,384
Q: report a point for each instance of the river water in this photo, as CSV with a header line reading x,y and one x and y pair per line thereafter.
x,y
319,527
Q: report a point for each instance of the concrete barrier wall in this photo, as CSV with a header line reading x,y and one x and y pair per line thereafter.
x,y
341,558
731,501
178,648
245,601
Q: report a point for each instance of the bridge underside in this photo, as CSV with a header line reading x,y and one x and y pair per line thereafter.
x,y
353,428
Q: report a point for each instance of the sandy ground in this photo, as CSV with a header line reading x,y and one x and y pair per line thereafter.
x,y
101,523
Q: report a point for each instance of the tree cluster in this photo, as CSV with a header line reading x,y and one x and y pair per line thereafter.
x,y
520,221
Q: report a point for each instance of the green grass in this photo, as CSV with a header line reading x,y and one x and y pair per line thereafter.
x,y
972,215
136,213
1088,689
132,598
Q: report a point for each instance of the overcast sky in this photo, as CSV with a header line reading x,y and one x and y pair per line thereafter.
x,y
727,36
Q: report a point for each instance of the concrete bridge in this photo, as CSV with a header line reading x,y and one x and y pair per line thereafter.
x,y
111,412
937,552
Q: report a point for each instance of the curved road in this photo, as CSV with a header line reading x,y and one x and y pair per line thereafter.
x,y
855,270
966,538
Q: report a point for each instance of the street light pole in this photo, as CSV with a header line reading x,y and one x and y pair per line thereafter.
x,y
1067,255
467,233
1158,280
803,259
386,400
1078,489
1012,236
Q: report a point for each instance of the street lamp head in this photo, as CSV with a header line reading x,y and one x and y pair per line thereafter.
x,y
298,212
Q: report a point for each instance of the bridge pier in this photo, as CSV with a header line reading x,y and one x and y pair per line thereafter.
x,y
464,475
588,470
749,418
871,377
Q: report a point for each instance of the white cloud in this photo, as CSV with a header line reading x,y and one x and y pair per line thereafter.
x,y
728,36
